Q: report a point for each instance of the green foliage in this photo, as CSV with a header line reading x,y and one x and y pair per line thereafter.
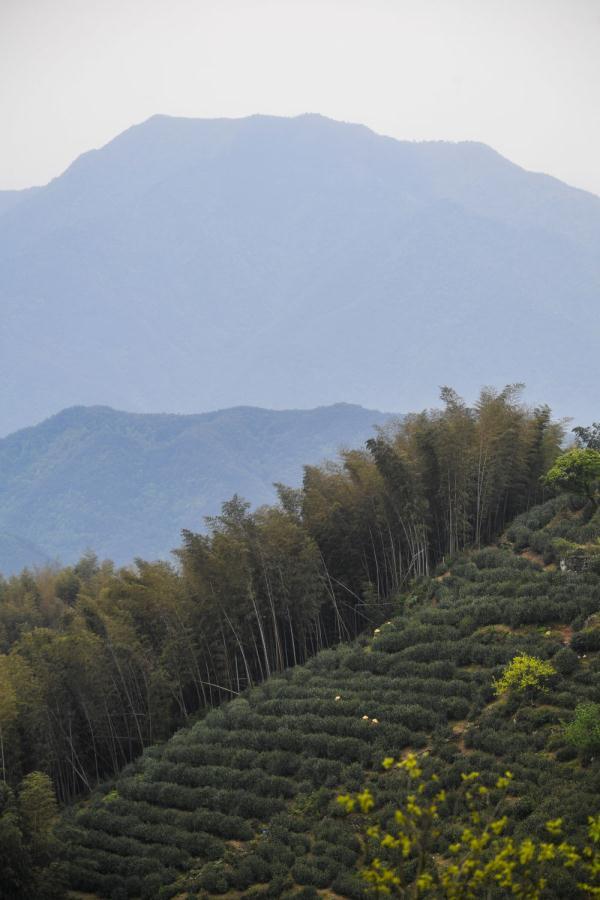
x,y
588,437
583,732
565,661
586,640
28,845
577,471
38,806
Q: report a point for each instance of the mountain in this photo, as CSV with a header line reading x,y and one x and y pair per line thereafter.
x,y
10,199
125,484
17,553
199,264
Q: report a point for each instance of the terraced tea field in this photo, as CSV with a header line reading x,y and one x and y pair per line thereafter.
x,y
243,803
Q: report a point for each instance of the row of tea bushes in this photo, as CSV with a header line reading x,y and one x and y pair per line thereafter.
x,y
243,802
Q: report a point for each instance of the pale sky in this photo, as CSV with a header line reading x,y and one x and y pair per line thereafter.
x,y
520,75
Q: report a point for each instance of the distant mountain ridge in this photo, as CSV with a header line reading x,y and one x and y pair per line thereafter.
x,y
125,484
196,264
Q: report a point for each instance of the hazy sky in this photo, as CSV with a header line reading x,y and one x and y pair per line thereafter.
x,y
520,75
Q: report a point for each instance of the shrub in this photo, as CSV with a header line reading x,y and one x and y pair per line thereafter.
x,y
565,661
566,754
308,873
583,732
525,675
519,535
456,707
214,879
586,640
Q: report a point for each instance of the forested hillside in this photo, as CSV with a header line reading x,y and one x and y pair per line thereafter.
x,y
247,256
357,619
126,484
244,803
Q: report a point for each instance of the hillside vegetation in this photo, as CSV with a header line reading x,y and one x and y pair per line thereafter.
x,y
244,802
125,484
361,617
103,662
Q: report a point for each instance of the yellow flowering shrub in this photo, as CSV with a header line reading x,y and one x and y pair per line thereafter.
x,y
486,860
524,675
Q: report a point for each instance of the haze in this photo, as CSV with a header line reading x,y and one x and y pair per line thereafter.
x,y
523,77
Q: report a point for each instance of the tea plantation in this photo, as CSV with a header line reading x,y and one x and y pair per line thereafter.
x,y
243,803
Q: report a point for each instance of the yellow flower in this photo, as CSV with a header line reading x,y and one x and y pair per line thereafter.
x,y
347,802
424,881
594,828
504,781
406,844
366,801
526,851
499,825
569,854
389,841
554,827
546,852
399,817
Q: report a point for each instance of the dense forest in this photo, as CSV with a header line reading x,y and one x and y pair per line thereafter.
x,y
99,664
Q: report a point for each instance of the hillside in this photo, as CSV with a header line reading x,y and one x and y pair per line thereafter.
x,y
126,484
243,803
354,619
291,262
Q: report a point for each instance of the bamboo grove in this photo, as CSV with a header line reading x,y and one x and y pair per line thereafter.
x,y
96,663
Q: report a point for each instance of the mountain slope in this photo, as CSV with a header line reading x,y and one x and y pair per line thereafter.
x,y
288,262
243,802
126,484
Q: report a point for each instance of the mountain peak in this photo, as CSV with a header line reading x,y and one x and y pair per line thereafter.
x,y
267,261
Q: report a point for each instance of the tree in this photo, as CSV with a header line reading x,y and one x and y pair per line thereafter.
x,y
15,860
8,709
588,437
577,471
28,849
525,675
583,732
39,810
